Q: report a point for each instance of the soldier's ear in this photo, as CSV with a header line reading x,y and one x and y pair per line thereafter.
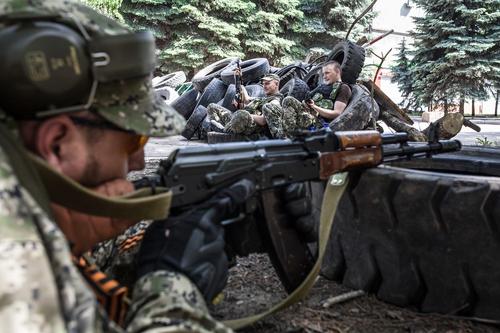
x,y
54,139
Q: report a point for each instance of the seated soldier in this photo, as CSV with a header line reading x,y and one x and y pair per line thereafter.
x,y
326,102
257,114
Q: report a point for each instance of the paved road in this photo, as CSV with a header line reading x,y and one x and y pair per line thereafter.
x,y
161,148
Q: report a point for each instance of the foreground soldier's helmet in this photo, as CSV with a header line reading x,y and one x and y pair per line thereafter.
x,y
59,56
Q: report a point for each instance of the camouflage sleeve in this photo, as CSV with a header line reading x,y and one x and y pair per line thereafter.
x,y
165,300
28,294
170,301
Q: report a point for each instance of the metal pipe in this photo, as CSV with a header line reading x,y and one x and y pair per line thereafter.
x,y
373,41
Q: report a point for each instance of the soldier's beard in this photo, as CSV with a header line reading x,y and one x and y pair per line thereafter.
x,y
90,176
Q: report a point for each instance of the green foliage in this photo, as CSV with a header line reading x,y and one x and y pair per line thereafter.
x,y
483,141
457,54
193,33
327,21
107,7
402,75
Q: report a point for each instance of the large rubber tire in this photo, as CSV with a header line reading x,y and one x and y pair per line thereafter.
x,y
194,122
273,69
424,239
351,58
361,112
227,102
255,90
291,71
296,88
185,103
251,70
170,80
213,93
167,93
314,77
201,79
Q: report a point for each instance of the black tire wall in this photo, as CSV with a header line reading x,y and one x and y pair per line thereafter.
x,y
429,240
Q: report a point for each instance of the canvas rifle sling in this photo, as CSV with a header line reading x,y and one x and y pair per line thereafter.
x,y
23,169
333,192
138,205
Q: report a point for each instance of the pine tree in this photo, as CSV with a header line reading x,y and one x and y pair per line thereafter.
x,y
402,75
193,33
107,7
327,21
456,49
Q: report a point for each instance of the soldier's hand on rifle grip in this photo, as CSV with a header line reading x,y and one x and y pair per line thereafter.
x,y
298,205
193,241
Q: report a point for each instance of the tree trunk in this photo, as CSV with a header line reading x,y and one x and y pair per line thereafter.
x,y
462,105
445,106
448,126
496,103
473,107
399,126
386,103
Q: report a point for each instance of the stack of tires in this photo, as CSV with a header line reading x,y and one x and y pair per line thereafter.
x,y
215,84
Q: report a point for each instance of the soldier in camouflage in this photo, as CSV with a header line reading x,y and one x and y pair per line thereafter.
x,y
326,103
258,114
95,145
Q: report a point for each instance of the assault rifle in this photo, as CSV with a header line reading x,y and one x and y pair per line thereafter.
x,y
196,173
237,82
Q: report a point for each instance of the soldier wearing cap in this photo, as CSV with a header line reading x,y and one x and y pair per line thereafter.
x,y
75,114
259,113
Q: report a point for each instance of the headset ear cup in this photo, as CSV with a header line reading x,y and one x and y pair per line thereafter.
x,y
49,64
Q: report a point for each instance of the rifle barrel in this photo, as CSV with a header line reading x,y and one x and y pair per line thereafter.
x,y
394,138
404,151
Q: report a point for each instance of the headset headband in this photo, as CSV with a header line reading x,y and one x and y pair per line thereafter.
x,y
96,59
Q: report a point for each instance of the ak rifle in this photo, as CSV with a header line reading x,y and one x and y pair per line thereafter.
x,y
238,86
194,174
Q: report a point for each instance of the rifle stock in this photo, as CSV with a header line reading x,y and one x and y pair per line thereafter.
x,y
196,173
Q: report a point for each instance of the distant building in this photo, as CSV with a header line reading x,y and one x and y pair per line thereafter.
x,y
397,15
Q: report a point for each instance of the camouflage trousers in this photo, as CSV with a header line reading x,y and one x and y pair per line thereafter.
x,y
297,116
360,114
242,122
219,113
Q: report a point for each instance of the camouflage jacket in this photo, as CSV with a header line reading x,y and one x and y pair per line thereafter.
x,y
42,291
325,95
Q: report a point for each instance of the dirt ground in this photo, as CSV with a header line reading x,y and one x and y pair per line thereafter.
x,y
253,287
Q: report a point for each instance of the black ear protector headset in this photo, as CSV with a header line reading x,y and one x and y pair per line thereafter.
x,y
48,67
